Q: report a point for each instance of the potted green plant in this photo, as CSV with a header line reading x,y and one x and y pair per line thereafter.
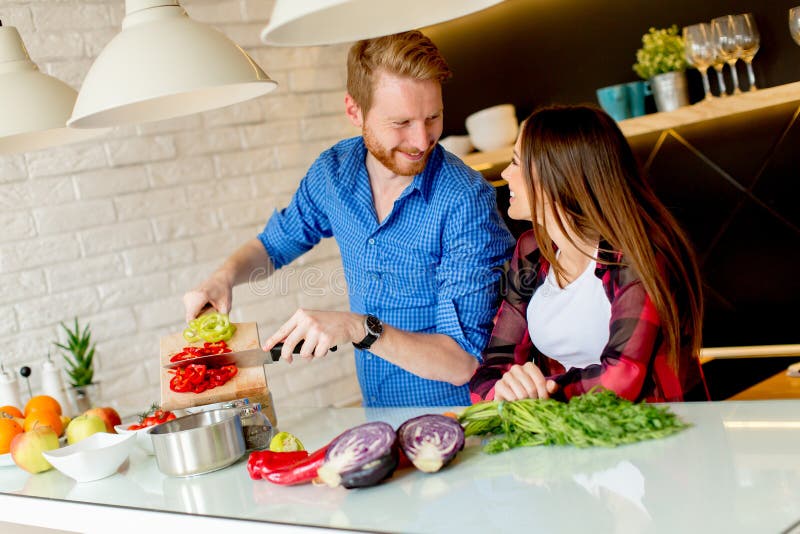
x,y
662,62
78,353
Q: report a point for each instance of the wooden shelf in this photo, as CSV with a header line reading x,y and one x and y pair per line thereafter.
x,y
657,122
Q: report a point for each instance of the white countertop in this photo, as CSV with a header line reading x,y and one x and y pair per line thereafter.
x,y
737,469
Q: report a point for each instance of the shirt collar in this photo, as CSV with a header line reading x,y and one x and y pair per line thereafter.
x,y
422,182
607,254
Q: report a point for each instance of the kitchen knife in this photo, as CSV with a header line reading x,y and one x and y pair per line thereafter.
x,y
247,358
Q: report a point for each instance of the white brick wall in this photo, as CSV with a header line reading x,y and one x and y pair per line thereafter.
x,y
115,230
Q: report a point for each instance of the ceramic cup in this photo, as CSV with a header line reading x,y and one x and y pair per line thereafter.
x,y
625,100
637,92
614,100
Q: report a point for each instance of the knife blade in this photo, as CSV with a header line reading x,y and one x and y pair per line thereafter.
x,y
247,358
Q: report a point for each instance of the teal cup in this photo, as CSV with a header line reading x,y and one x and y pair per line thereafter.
x,y
614,100
637,91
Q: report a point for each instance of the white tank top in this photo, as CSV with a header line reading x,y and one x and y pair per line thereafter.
x,y
570,324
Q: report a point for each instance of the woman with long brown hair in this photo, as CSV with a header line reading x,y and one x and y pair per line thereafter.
x,y
605,289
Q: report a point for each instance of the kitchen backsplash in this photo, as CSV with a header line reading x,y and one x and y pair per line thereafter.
x,y
115,231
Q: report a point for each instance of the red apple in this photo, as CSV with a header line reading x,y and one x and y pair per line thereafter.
x,y
109,416
27,448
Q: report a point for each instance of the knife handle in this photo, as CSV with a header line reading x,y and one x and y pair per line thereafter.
x,y
275,351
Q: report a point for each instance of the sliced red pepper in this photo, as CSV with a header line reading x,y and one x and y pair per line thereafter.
x,y
301,472
197,378
187,353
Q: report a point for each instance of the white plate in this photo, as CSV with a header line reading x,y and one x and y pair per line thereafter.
x,y
143,439
6,460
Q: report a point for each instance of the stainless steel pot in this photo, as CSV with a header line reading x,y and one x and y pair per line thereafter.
x,y
198,443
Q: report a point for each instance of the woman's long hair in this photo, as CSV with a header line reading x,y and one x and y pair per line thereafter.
x,y
586,170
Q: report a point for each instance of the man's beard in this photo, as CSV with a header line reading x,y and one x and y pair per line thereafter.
x,y
386,156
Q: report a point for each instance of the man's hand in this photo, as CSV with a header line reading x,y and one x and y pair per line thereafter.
x,y
216,290
319,331
524,382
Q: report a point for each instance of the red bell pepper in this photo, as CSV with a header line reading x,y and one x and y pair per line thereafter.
x,y
300,472
260,463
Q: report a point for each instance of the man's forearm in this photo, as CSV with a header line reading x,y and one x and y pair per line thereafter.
x,y
241,265
432,356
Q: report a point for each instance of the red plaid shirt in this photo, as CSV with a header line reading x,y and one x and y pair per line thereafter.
x,y
633,363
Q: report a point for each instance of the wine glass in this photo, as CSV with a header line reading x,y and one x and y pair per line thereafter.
x,y
748,41
719,64
700,51
724,38
794,23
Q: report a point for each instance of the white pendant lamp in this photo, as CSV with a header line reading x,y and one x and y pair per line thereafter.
x,y
34,107
319,22
164,65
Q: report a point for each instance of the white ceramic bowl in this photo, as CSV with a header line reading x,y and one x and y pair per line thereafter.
x,y
143,440
493,128
460,145
93,458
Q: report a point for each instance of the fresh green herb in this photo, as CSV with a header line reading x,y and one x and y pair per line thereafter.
x,y
661,52
79,354
596,419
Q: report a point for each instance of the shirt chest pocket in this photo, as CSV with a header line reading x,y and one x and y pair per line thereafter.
x,y
409,273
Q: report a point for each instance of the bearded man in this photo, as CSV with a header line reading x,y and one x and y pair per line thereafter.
x,y
420,236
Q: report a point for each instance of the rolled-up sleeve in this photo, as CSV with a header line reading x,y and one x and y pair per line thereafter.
x,y
476,243
294,230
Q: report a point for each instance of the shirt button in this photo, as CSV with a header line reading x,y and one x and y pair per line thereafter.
x,y
376,276
371,241
373,398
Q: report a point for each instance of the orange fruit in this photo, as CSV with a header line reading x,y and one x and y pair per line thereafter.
x,y
13,411
8,429
44,418
42,402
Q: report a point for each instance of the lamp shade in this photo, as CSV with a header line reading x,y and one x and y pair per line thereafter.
x,y
34,107
318,22
164,65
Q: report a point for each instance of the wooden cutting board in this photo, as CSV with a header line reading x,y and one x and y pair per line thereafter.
x,y
250,382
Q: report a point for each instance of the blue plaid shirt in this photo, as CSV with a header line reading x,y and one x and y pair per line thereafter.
x,y
433,265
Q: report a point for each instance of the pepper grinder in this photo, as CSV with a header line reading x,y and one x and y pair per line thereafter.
x,y
25,372
9,389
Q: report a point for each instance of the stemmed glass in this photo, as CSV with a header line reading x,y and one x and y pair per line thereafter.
x,y
724,37
794,23
719,64
748,40
700,51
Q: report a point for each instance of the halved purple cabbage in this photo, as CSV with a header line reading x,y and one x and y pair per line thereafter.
x,y
431,441
361,456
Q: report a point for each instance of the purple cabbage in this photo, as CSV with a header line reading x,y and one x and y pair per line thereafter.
x,y
361,456
431,441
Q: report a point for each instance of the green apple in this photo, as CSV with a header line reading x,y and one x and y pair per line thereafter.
x,y
84,426
27,448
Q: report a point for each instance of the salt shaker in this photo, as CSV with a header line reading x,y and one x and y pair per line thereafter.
x,y
9,389
256,428
53,386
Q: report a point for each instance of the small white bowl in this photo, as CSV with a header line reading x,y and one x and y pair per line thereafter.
x,y
460,145
493,128
93,458
143,440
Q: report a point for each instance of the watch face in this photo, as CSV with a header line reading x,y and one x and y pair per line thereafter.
x,y
374,324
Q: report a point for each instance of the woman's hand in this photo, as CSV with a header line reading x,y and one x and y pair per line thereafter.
x,y
524,382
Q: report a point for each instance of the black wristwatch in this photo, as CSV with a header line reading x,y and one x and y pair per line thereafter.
x,y
374,329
